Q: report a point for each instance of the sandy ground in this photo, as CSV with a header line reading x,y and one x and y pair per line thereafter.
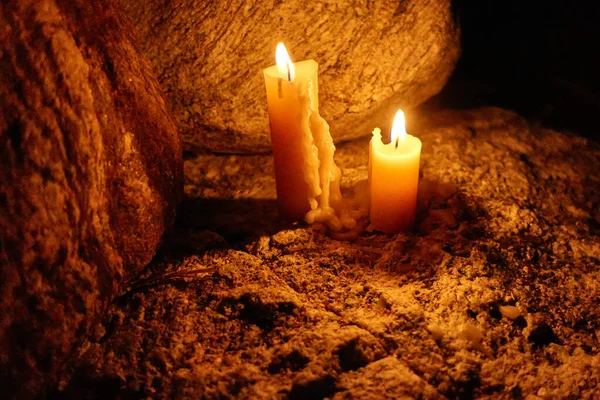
x,y
495,295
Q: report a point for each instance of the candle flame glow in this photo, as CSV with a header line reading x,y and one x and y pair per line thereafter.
x,y
284,63
398,128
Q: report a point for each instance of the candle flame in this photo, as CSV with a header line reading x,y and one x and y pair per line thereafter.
x,y
284,63
399,128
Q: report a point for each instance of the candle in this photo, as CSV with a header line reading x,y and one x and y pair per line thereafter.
x,y
393,178
306,177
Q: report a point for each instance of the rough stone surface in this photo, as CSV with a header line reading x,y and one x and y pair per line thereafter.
x,y
240,306
373,58
90,175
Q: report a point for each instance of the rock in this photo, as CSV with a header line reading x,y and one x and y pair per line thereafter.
x,y
510,312
90,176
373,58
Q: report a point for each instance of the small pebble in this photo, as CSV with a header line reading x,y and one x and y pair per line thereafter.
x,y
510,312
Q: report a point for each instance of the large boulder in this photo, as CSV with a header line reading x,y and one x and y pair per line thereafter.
x,y
90,176
373,57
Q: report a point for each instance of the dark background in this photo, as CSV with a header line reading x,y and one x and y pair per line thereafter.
x,y
540,58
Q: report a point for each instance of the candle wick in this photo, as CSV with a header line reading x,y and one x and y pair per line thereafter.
x,y
289,72
397,142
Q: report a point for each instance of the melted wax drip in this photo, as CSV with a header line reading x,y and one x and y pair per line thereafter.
x,y
322,175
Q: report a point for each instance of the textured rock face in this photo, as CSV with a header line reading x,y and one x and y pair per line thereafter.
x,y
495,295
90,176
373,58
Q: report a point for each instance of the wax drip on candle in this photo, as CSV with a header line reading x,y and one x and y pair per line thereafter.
x,y
320,172
310,150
